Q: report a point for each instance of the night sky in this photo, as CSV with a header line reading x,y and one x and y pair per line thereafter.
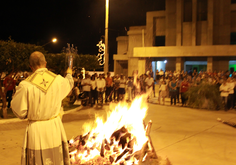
x,y
78,22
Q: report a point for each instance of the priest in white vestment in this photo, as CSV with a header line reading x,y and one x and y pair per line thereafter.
x,y
38,98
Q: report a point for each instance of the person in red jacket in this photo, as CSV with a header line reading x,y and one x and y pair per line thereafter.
x,y
183,88
9,85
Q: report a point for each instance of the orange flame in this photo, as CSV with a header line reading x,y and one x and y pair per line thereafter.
x,y
123,115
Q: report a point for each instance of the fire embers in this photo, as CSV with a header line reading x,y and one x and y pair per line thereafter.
x,y
118,149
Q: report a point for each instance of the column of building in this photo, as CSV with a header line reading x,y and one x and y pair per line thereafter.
x,y
210,32
179,35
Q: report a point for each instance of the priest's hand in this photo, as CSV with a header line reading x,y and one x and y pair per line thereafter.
x,y
69,71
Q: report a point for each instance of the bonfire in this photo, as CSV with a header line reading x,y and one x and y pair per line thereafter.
x,y
123,139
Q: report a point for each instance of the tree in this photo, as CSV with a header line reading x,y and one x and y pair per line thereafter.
x,y
58,62
14,58
89,62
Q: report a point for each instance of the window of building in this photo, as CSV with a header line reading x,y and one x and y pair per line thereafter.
x,y
202,10
233,1
188,10
160,41
233,38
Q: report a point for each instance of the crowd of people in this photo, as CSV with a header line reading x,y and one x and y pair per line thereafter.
x,y
114,88
179,82
170,84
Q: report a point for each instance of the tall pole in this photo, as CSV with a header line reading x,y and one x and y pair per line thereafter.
x,y
106,64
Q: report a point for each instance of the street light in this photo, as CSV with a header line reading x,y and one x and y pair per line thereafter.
x,y
106,55
53,40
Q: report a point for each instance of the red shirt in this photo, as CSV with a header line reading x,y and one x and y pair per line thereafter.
x,y
108,81
184,86
9,83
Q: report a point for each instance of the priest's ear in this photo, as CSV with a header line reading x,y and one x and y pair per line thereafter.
x,y
31,68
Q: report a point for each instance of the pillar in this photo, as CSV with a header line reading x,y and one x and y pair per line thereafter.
x,y
210,23
194,22
141,66
179,22
178,64
117,67
132,65
209,64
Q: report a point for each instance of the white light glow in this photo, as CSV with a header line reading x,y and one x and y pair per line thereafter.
x,y
54,40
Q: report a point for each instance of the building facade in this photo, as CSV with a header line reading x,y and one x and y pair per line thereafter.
x,y
196,34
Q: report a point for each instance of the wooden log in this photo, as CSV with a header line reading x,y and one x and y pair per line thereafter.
x,y
150,140
131,143
144,124
107,147
111,159
122,154
102,149
148,128
143,152
145,146
124,140
117,134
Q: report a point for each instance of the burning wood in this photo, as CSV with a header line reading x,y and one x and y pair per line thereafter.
x,y
130,143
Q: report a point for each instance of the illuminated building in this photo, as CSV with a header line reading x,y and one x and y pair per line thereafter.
x,y
197,34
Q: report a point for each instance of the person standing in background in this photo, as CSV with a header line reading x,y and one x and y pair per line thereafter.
x,y
116,88
86,84
184,85
9,85
149,82
230,102
130,89
100,84
93,90
224,92
108,88
173,91
122,87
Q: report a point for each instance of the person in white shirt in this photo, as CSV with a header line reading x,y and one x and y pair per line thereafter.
x,y
161,73
149,86
122,87
230,84
130,88
38,99
224,92
93,90
86,84
100,84
162,92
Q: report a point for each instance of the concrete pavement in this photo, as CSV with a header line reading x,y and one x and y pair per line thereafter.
x,y
186,136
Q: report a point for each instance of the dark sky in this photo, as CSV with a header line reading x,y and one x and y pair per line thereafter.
x,y
79,22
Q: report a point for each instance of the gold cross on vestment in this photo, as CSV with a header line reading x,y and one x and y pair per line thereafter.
x,y
44,82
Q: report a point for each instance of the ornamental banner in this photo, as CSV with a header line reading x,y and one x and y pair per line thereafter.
x,y
42,80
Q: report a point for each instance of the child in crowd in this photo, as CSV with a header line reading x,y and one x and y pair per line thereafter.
x,y
162,92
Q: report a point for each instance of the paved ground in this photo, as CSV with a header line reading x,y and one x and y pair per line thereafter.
x,y
186,136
